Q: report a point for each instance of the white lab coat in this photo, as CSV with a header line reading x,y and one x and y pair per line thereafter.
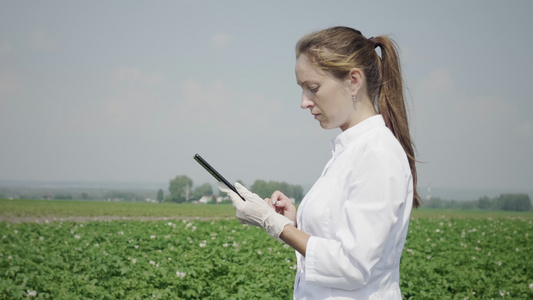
x,y
357,214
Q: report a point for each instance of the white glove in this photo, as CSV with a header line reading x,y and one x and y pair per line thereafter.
x,y
255,211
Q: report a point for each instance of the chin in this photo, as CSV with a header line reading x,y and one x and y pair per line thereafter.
x,y
327,126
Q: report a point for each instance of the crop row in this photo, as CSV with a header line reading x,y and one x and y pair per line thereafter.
x,y
487,258
444,258
140,260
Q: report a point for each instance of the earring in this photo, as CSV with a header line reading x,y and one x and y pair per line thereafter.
x,y
354,98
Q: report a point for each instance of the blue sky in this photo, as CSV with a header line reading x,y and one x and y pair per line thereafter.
x,y
131,90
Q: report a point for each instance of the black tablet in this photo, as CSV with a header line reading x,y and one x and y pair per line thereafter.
x,y
214,173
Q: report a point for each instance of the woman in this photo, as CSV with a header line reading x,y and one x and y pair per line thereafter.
x,y
350,228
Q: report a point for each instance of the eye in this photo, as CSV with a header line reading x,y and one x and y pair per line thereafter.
x,y
314,88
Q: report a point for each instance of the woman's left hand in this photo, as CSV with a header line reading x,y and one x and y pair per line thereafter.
x,y
283,206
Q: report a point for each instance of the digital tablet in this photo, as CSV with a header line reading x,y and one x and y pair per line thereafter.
x,y
214,173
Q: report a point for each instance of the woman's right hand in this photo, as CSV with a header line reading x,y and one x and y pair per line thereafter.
x,y
283,206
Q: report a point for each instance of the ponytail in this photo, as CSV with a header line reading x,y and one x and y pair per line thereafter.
x,y
339,49
391,103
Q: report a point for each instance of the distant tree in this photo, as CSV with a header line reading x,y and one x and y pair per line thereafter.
x,y
63,197
180,189
452,204
84,196
468,205
160,196
204,190
260,187
213,200
523,203
514,202
167,198
484,203
265,189
297,193
434,202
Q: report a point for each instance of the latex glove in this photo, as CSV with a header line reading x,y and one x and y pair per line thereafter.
x,y
255,211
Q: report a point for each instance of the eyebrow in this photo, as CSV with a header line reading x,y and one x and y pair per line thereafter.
x,y
309,81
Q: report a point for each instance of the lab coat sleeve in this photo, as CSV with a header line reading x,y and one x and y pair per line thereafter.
x,y
376,193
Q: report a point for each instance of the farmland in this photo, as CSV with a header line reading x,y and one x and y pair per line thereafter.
x,y
99,250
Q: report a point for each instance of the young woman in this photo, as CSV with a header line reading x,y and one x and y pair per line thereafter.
x,y
350,228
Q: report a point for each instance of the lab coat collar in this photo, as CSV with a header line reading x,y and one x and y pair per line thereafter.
x,y
339,143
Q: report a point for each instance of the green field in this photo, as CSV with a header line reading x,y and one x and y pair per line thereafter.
x,y
62,209
39,209
55,250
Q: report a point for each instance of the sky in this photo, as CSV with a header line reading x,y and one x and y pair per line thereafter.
x,y
129,91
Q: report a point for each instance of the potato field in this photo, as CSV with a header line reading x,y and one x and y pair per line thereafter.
x,y
448,255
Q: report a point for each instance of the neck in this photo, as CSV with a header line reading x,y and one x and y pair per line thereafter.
x,y
363,109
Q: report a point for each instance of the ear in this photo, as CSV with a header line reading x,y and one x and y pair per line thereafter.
x,y
355,80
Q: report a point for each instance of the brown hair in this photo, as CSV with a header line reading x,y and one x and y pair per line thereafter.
x,y
339,49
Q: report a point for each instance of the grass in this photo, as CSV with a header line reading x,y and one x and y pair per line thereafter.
x,y
468,214
64,208
54,208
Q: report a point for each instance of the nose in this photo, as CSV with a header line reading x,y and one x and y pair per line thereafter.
x,y
306,102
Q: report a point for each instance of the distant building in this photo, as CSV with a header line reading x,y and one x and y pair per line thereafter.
x,y
205,199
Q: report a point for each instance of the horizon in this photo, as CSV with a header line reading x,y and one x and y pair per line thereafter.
x,y
444,193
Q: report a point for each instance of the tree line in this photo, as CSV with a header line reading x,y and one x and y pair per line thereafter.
x,y
507,202
181,190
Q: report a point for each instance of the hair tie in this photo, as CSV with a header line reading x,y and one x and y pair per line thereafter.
x,y
376,44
